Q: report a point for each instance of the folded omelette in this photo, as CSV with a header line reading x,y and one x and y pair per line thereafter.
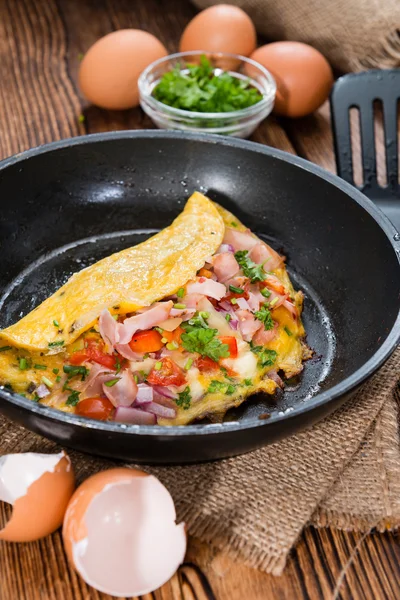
x,y
183,326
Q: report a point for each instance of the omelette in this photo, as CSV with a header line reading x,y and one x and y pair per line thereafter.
x,y
183,326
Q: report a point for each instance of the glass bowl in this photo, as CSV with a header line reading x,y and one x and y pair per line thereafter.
x,y
239,123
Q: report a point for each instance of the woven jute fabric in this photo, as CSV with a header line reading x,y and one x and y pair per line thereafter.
x,y
344,471
352,34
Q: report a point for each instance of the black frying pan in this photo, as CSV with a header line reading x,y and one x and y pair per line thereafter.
x,y
68,204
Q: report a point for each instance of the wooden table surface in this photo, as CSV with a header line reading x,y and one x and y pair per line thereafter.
x,y
40,43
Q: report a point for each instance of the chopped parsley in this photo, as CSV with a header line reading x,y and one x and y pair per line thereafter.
x,y
235,290
40,367
206,343
248,382
55,371
55,344
36,398
264,315
181,292
288,331
265,292
5,348
73,398
58,379
196,87
266,357
56,323
250,269
221,386
112,382
234,224
184,398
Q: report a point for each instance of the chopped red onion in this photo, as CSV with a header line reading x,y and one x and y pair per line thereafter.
x,y
164,391
42,391
163,400
233,323
225,248
160,411
144,394
134,416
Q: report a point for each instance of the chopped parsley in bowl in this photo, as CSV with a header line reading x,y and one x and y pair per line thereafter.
x,y
214,92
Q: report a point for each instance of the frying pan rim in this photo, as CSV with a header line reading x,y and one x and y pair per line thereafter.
x,y
326,397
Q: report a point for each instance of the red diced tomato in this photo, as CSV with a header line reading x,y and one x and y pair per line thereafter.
x,y
168,374
95,408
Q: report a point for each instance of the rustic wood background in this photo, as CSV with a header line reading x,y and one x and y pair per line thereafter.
x,y
40,44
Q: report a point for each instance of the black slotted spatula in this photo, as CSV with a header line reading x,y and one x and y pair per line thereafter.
x,y
361,90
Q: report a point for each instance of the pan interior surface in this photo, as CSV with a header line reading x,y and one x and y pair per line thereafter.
x,y
77,201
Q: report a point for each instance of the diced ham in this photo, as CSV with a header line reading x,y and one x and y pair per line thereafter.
x,y
191,300
146,320
225,266
255,299
126,351
288,304
171,324
207,287
240,240
248,325
184,313
275,300
124,392
108,330
242,303
262,253
264,336
273,283
93,384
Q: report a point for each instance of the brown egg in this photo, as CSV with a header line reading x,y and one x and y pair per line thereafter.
x,y
120,533
303,76
220,28
110,69
39,486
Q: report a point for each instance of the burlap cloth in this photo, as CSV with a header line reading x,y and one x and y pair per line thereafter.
x,y
352,34
344,471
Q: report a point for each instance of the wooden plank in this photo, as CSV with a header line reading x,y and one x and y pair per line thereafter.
x,y
39,101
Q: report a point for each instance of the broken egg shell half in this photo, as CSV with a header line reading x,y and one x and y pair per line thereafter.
x,y
120,533
39,487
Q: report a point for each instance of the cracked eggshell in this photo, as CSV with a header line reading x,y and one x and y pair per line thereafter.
x,y
120,533
39,487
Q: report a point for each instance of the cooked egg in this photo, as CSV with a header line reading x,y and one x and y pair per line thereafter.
x,y
39,487
120,533
110,69
220,28
303,75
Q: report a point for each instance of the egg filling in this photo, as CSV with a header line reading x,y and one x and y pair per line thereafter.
x,y
227,326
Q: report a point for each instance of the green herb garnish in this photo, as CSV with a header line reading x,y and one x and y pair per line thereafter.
x,y
197,88
234,224
206,343
181,292
40,367
265,292
23,364
179,306
273,302
55,344
248,382
288,331
228,317
233,301
73,371
35,398
266,357
158,366
5,348
56,323
136,378
47,382
250,269
58,379
112,382
221,386
73,398
55,371
188,364
184,398
264,315
235,290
